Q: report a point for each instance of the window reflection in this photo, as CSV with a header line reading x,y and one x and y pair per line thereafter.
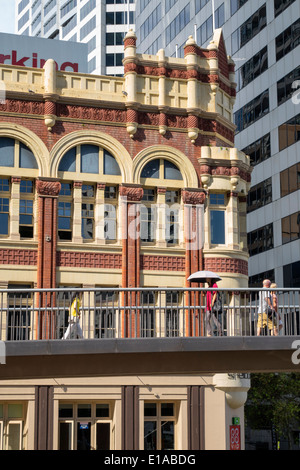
x,y
287,40
260,195
284,86
252,68
290,180
260,240
249,29
289,132
252,111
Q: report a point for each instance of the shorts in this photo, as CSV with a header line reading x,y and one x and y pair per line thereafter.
x,y
264,320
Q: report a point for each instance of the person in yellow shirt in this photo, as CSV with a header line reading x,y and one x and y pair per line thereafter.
x,y
74,329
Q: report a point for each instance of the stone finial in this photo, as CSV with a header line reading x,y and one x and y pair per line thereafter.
x,y
50,94
130,39
50,77
191,41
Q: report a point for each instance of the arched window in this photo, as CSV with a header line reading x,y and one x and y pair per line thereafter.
x,y
97,175
162,181
161,169
89,159
17,161
14,154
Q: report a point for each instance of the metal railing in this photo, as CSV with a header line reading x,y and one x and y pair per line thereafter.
x,y
34,314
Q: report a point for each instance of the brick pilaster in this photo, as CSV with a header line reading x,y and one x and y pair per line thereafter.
x,y
131,196
193,200
47,190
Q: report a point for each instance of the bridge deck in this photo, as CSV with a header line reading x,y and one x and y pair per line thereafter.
x,y
79,358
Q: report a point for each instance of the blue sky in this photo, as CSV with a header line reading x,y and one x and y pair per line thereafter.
x,y
7,16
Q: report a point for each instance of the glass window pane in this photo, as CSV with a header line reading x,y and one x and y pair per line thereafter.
x,y
110,39
151,169
110,165
89,159
282,134
102,410
66,410
149,195
291,133
84,411
293,178
119,60
209,27
26,186
65,436
235,41
150,435
119,39
15,411
87,229
167,435
233,6
215,198
110,18
64,223
167,409
103,436
68,162
14,436
285,229
3,224
66,189
295,226
110,60
84,436
279,46
25,219
7,152
171,171
26,158
217,226
150,409
4,184
88,190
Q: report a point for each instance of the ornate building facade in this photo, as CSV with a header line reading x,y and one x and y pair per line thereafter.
x,y
125,182
82,145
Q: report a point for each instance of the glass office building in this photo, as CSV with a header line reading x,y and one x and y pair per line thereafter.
x,y
101,24
263,37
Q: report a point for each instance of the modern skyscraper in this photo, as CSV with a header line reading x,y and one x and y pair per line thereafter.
x,y
263,37
100,23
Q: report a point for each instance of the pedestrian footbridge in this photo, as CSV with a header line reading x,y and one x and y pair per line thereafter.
x,y
144,331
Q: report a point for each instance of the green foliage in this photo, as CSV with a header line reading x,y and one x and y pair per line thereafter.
x,y
274,401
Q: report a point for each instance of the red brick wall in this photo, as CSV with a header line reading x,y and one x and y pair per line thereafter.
x,y
30,115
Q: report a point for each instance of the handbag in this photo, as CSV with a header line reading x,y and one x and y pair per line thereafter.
x,y
270,311
217,306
